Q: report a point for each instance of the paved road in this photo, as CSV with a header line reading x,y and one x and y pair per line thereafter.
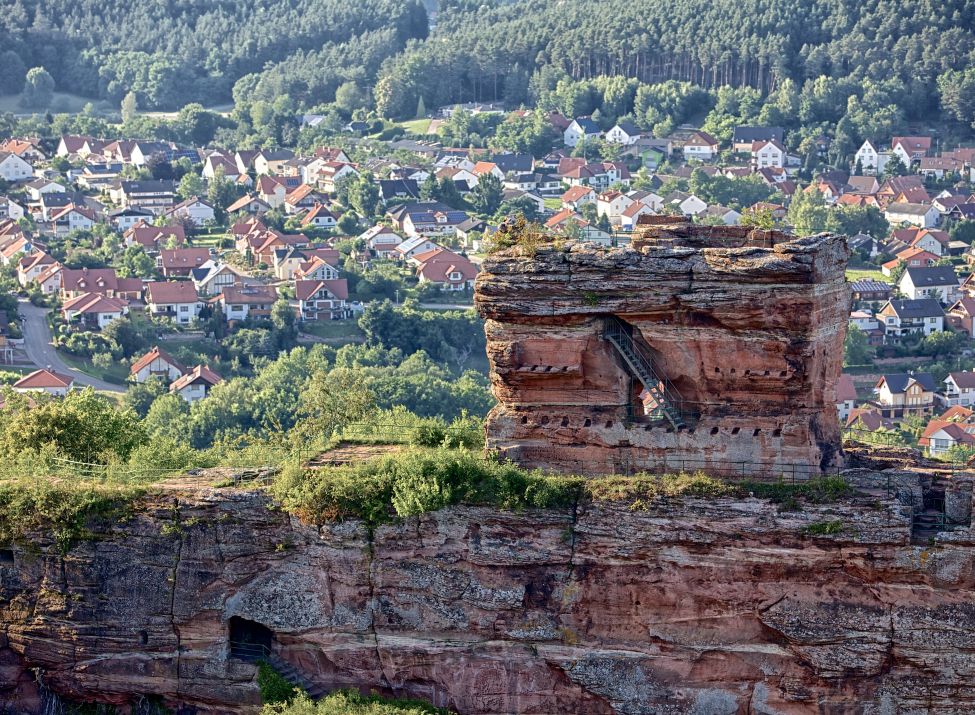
x,y
37,344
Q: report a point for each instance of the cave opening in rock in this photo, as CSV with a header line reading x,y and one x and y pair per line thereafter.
x,y
6,556
249,640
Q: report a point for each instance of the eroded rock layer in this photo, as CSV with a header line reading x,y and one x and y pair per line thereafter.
x,y
748,326
686,605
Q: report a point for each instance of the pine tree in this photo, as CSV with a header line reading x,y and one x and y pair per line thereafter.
x,y
421,108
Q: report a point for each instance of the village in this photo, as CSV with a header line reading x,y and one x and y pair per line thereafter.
x,y
102,238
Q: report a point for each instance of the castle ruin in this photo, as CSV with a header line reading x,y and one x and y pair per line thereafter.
x,y
696,347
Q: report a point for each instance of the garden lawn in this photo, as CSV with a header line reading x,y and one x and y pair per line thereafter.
x,y
865,274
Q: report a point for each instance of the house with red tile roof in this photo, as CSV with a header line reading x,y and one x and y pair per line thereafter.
x,y
94,310
53,383
175,300
195,384
322,299
179,262
156,363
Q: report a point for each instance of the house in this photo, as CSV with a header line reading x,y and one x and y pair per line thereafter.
x,y
723,214
382,241
445,269
923,215
154,238
863,185
125,218
333,171
195,384
624,133
864,320
905,394
961,316
249,204
611,204
744,138
511,163
939,282
31,266
13,168
28,148
216,164
322,299
272,191
933,240
960,388
272,161
576,197
242,302
391,190
156,363
193,209
94,310
940,436
910,149
156,196
10,209
427,218
39,187
176,300
869,291
910,257
414,246
768,154
49,280
868,159
581,130
302,198
212,277
71,218
846,397
632,213
78,281
687,204
903,317
178,262
701,146
53,383
482,168
320,217
316,268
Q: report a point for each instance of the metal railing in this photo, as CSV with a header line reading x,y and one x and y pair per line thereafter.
x,y
667,398
249,651
786,472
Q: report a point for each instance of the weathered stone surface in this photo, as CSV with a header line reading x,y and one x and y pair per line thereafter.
x,y
679,606
749,328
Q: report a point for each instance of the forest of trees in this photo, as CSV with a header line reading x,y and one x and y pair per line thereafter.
x,y
179,51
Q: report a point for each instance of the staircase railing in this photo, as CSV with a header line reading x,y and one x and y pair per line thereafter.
x,y
248,651
667,398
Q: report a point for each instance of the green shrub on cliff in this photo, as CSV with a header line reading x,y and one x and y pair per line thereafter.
x,y
418,481
349,702
68,511
274,688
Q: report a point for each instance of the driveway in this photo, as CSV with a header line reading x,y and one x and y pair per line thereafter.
x,y
37,344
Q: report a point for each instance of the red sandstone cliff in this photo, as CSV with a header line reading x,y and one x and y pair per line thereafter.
x,y
748,326
682,606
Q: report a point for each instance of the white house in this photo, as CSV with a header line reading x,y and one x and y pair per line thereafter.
x,y
195,209
960,388
71,218
382,240
94,310
867,158
322,299
923,215
938,282
864,320
624,133
156,363
13,168
846,397
581,129
768,154
195,384
701,146
176,300
53,383
39,187
904,317
612,204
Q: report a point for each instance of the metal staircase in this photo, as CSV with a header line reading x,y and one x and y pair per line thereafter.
x,y
667,400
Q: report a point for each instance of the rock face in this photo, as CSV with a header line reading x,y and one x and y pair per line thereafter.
x,y
691,605
745,328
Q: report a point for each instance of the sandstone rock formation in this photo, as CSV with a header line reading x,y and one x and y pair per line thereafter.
x,y
681,606
746,325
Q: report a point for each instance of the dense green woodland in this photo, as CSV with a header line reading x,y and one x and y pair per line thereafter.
x,y
174,52
170,52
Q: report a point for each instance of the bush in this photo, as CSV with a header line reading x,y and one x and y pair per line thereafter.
x,y
274,688
349,702
418,481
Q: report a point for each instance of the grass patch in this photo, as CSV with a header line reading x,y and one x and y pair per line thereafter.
x,y
71,511
821,490
61,103
350,702
553,203
416,126
117,373
824,528
865,274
